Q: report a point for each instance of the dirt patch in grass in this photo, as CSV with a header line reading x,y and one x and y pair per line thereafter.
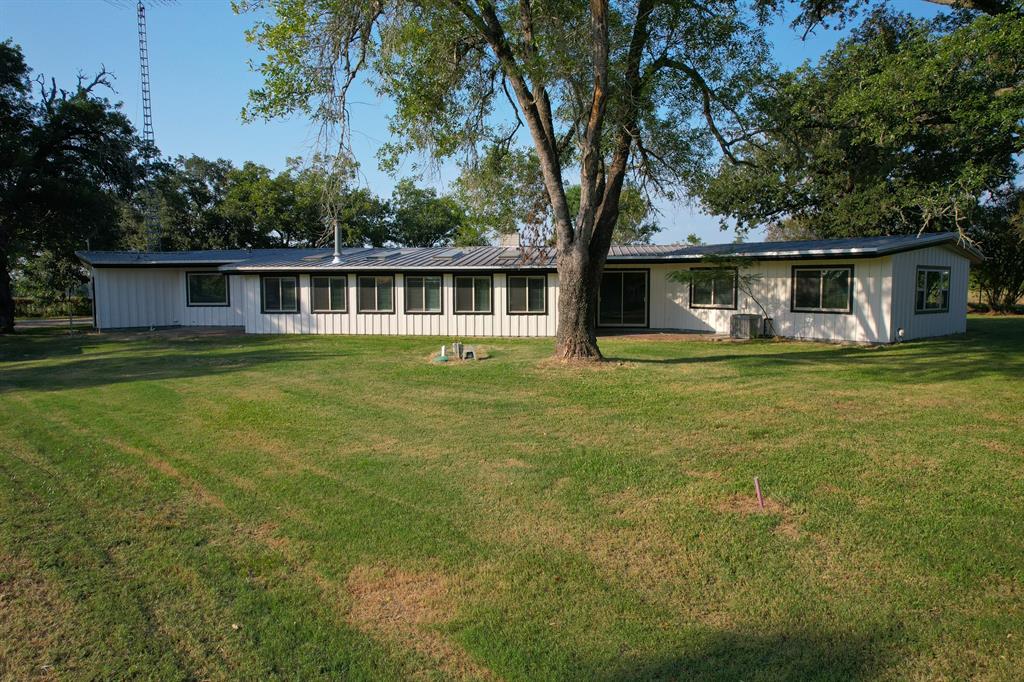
x,y
746,505
405,608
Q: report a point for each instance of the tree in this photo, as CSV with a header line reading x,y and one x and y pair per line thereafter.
x,y
1000,233
634,225
421,218
69,160
612,89
902,128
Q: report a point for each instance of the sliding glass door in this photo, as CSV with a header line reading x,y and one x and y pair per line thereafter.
x,y
622,301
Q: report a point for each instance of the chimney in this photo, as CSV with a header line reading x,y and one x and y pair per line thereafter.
x,y
337,243
510,239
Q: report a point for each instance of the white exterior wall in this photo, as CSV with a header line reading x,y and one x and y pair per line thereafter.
x,y
868,323
921,325
498,323
155,297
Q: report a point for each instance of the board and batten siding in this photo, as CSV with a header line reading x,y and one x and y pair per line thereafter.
x,y
131,298
920,325
498,323
868,323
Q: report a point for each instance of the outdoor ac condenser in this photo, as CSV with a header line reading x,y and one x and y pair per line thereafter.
x,y
744,326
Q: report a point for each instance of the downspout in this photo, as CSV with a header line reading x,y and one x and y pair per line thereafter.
x,y
92,287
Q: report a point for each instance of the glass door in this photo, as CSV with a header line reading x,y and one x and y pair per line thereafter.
x,y
622,300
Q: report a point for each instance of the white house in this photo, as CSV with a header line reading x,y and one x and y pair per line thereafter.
x,y
871,290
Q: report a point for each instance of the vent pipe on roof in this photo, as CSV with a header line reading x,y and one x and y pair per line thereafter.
x,y
337,243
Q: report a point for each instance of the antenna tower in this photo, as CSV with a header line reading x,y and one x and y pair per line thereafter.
x,y
152,213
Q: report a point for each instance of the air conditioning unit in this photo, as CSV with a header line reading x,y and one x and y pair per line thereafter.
x,y
745,326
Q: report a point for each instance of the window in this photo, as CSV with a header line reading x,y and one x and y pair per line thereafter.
x,y
713,288
330,294
423,294
473,294
932,290
622,299
207,289
375,293
823,290
527,295
280,294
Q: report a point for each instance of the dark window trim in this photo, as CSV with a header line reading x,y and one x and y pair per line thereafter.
x,y
319,311
298,296
227,290
735,291
647,301
837,266
949,279
405,301
455,276
508,298
394,304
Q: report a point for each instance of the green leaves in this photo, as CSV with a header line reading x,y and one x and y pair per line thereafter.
x,y
902,127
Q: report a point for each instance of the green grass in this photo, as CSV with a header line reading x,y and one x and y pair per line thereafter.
x,y
189,507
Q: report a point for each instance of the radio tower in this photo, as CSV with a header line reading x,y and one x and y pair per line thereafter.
x,y
152,212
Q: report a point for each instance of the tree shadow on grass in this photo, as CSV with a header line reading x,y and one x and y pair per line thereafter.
x,y
992,347
728,656
147,358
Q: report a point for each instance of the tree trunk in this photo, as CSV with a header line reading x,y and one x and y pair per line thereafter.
x,y
6,297
579,277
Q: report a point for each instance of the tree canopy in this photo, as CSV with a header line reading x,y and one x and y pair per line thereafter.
x,y
68,160
903,127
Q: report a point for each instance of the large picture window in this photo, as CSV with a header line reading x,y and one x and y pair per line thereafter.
x,y
823,290
376,293
207,289
423,294
932,294
330,294
280,294
622,299
473,294
713,288
527,295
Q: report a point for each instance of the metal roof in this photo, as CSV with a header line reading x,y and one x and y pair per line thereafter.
x,y
515,258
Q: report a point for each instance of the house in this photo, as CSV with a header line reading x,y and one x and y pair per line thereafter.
x,y
871,290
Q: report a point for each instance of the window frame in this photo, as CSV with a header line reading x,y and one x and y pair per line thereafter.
x,y
263,295
405,292
359,301
715,306
821,311
949,288
227,290
647,300
489,276
312,295
508,297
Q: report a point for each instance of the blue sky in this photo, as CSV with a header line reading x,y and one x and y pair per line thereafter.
x,y
200,80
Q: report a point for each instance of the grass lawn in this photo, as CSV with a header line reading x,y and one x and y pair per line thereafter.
x,y
204,507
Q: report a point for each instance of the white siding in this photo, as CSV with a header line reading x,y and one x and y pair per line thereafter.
x,y
868,323
883,302
498,323
916,326
155,297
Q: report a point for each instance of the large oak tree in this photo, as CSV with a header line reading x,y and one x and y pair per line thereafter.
x,y
604,90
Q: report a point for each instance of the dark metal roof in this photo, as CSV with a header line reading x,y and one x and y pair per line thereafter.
x,y
515,258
